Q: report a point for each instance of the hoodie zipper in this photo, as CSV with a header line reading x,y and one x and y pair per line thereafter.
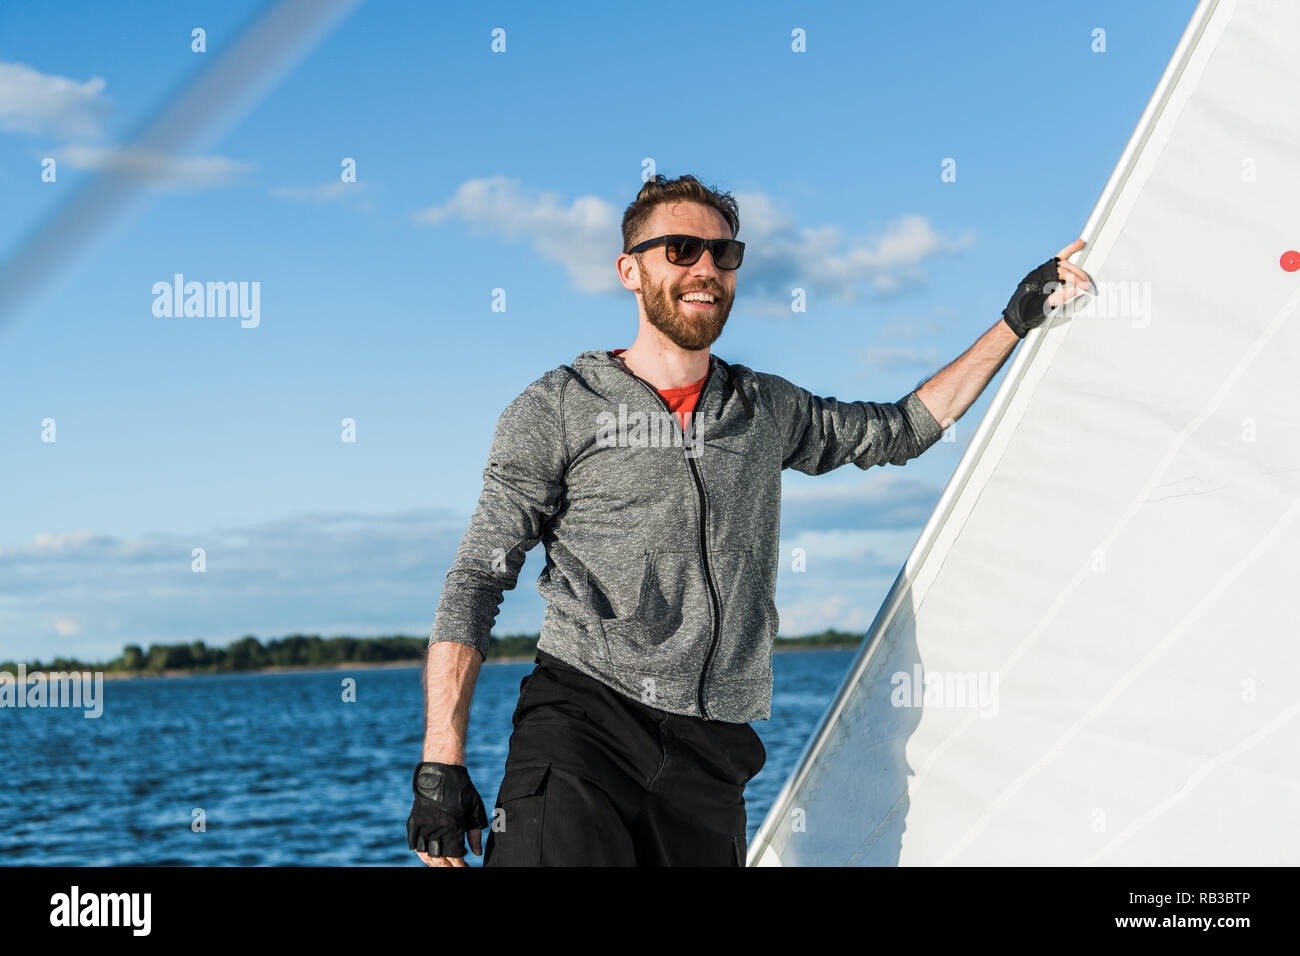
x,y
704,518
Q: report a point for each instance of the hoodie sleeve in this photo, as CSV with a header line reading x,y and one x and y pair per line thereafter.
x,y
821,434
523,484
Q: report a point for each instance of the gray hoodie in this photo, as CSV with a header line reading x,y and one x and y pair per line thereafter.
x,y
661,546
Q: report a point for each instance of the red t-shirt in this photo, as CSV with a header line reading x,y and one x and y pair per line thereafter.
x,y
682,399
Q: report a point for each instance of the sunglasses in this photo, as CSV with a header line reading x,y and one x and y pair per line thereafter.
x,y
686,250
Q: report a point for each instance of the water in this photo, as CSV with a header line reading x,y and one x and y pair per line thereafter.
x,y
284,771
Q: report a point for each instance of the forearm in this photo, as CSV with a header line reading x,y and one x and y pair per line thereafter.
x,y
450,672
954,388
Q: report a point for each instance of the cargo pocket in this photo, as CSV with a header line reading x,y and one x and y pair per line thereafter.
x,y
516,825
523,782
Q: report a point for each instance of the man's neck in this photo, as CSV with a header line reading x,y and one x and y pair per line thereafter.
x,y
666,365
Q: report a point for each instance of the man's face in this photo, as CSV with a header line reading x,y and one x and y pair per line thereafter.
x,y
688,325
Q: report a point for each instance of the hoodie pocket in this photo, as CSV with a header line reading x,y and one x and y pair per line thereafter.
x,y
749,618
770,617
662,634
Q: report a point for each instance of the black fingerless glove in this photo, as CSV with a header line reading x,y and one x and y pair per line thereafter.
x,y
1026,309
446,807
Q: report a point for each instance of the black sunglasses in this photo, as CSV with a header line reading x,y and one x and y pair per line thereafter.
x,y
686,250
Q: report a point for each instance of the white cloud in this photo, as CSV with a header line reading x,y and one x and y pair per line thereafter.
x,y
888,502
157,169
86,595
583,235
890,358
833,609
325,192
781,256
67,626
914,326
855,537
41,103
845,578
759,215
58,543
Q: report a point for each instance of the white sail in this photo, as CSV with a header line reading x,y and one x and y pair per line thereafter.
x,y
1111,574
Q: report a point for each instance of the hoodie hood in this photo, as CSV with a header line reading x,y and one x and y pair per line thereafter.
x,y
729,375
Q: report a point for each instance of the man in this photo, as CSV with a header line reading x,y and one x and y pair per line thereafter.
x,y
652,475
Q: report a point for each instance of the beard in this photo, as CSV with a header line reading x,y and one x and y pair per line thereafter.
x,y
691,330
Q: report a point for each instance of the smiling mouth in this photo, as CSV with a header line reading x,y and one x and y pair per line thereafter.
x,y
701,300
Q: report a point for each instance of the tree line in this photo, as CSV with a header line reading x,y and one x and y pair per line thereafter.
x,y
299,650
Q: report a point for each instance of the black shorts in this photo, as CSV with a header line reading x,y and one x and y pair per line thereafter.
x,y
594,778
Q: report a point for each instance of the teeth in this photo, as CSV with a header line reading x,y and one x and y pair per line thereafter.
x,y
697,297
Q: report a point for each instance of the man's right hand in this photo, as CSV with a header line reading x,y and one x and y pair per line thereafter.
x,y
446,808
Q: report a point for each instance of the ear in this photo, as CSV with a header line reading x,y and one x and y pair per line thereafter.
x,y
629,272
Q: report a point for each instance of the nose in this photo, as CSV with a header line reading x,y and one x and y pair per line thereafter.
x,y
705,267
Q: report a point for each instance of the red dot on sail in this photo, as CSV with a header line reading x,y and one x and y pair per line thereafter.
x,y
1290,260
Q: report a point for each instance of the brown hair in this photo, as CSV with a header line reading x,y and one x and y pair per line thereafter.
x,y
687,188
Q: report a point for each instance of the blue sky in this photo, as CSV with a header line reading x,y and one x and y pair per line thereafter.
x,y
479,170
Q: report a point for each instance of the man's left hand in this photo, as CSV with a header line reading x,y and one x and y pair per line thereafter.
x,y
1052,284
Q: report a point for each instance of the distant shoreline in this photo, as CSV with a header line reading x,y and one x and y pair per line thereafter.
x,y
175,674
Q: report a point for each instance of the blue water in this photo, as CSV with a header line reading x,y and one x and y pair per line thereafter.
x,y
285,771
